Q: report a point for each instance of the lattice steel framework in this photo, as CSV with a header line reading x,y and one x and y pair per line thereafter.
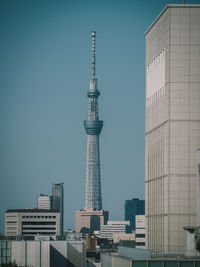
x,y
93,127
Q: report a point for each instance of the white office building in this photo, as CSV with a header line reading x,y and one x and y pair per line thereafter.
x,y
44,202
140,231
32,222
113,227
172,126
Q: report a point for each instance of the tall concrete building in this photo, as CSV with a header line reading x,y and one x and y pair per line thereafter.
x,y
93,127
58,201
172,125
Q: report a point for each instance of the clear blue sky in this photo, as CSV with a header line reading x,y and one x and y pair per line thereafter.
x,y
45,55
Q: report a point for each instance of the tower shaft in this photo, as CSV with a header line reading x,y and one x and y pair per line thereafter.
x,y
93,127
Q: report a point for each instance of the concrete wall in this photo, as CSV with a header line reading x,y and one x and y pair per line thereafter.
x,y
49,253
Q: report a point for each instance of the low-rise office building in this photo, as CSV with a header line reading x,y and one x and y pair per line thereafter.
x,y
113,227
30,222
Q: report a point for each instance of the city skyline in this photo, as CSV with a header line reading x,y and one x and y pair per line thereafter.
x,y
45,67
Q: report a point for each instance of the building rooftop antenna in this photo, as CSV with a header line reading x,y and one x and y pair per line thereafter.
x,y
93,54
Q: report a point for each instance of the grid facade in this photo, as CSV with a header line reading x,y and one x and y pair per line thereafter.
x,y
172,125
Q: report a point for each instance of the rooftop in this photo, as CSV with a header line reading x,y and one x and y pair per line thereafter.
x,y
171,6
32,210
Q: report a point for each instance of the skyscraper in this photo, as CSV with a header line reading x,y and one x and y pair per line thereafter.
x,y
132,208
172,125
93,212
57,201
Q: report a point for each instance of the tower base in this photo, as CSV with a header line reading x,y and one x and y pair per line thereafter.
x,y
89,220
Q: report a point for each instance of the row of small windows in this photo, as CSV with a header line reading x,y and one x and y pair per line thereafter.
x,y
39,217
39,233
40,228
38,223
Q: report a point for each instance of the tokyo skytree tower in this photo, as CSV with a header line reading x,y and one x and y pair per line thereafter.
x,y
93,127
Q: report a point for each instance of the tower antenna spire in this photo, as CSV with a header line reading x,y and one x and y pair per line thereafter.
x,y
93,54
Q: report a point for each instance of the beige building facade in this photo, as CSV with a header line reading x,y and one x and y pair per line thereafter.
x,y
89,220
31,222
172,126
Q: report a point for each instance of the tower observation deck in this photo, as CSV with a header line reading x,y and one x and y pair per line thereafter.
x,y
93,127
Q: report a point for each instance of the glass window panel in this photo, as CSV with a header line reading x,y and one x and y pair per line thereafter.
x,y
197,263
8,245
171,264
4,252
8,252
3,244
186,264
139,263
155,263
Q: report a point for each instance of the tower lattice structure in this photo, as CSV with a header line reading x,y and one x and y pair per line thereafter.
x,y
93,127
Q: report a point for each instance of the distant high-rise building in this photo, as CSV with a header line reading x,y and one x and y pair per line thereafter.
x,y
132,208
93,127
172,125
58,200
44,202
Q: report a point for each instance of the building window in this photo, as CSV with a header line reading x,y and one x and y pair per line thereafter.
x,y
140,243
139,235
38,223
